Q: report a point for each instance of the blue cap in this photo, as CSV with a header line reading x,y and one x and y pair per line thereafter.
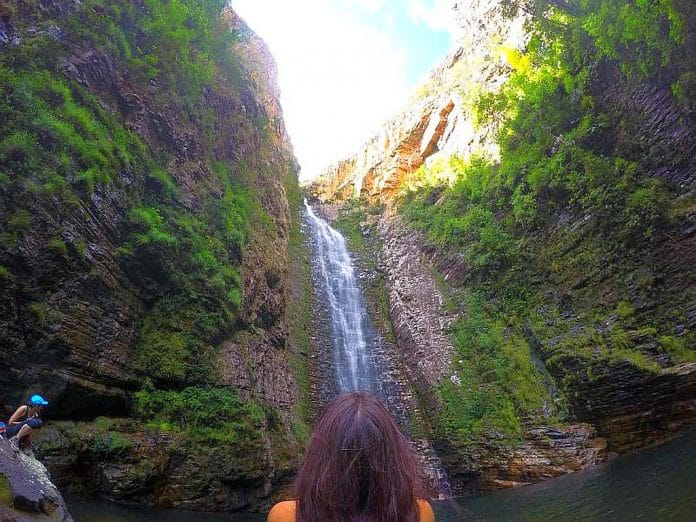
x,y
38,400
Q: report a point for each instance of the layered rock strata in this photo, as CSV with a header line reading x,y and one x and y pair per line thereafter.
x,y
545,453
71,316
87,354
421,323
129,462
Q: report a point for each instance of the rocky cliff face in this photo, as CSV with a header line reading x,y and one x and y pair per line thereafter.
x,y
145,225
596,334
414,315
437,122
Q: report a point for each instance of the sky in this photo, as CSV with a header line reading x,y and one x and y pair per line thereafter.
x,y
346,66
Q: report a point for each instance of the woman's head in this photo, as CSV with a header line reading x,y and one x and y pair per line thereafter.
x,y
358,466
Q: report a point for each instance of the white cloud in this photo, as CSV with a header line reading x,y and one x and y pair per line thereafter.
x,y
437,14
339,79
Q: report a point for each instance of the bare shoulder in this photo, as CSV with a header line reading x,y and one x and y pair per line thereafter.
x,y
19,412
283,512
426,511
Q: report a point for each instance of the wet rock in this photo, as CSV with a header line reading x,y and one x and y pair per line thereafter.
x,y
92,302
546,452
633,407
168,469
393,385
658,127
421,324
629,404
26,491
415,304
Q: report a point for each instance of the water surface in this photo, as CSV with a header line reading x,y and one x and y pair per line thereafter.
x,y
654,485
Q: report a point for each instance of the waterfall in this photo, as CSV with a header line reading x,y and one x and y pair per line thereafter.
x,y
357,365
354,364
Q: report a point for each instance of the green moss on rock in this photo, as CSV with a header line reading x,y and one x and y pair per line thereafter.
x,y
6,496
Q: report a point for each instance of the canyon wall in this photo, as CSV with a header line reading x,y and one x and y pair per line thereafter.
x,y
542,320
145,178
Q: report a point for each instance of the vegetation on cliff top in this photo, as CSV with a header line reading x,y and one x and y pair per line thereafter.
x,y
555,234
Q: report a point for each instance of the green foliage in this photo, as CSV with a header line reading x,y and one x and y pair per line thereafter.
x,y
40,312
554,156
19,221
464,218
168,185
61,150
684,91
495,380
677,348
640,32
546,167
300,310
58,246
153,227
207,414
178,335
110,444
57,136
177,42
198,250
6,495
471,412
636,358
558,227
232,212
350,222
641,35
5,274
624,310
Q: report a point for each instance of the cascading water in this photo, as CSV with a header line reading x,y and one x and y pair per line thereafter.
x,y
355,368
356,365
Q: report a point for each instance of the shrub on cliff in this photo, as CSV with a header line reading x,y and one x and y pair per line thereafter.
x,y
206,414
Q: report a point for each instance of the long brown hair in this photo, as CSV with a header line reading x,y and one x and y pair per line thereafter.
x,y
358,466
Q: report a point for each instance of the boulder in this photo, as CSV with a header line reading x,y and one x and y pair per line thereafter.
x,y
26,490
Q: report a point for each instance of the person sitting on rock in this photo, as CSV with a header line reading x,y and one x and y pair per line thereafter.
x,y
24,422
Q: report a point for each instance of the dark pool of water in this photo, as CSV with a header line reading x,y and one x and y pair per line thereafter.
x,y
654,485
89,510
